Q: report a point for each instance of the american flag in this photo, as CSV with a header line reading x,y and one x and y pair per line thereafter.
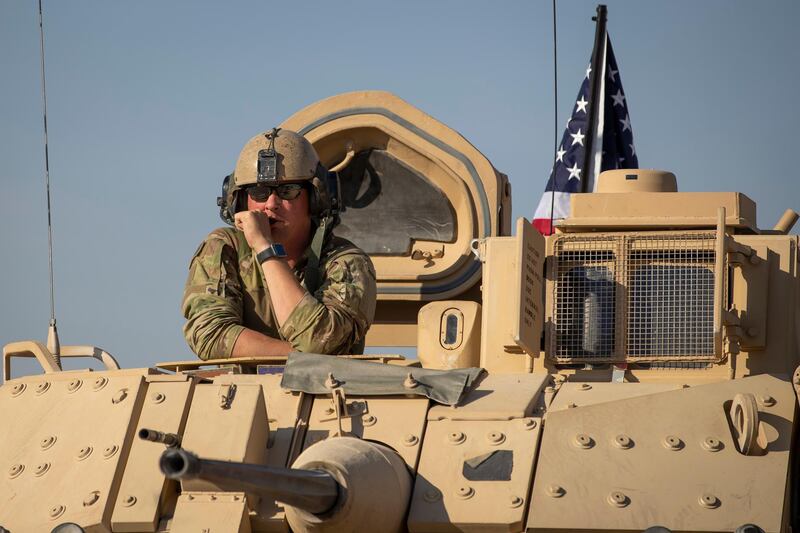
x,y
612,146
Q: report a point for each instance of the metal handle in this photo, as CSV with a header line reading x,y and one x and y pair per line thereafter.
x,y
719,280
46,358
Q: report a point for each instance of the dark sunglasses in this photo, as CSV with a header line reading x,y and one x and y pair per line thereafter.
x,y
285,191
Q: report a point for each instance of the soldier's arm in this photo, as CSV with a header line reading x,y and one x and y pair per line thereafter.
x,y
339,314
212,305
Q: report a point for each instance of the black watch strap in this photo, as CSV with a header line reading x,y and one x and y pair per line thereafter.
x,y
273,250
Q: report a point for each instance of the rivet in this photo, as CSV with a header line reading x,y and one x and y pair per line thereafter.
x,y
17,389
42,387
709,501
465,493
109,451
15,470
456,437
84,452
212,497
235,498
410,382
572,405
56,511
767,401
618,499
710,444
47,442
529,423
157,397
41,469
515,502
329,410
671,442
99,383
583,441
432,495
129,500
120,395
74,385
555,491
495,438
585,386
91,498
331,382
368,420
623,441
189,497
410,440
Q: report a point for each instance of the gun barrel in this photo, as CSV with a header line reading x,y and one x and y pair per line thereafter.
x,y
311,490
170,439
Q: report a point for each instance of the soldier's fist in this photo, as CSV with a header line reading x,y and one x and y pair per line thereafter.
x,y
255,226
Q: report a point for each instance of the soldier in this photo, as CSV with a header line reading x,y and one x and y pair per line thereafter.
x,y
279,280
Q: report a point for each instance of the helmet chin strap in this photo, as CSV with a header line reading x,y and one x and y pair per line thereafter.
x,y
312,274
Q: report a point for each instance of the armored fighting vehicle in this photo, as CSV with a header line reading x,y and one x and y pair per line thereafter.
x,y
637,369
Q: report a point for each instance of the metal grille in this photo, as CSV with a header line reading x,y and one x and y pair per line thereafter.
x,y
633,297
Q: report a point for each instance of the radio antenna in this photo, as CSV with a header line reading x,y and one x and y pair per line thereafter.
x,y
52,333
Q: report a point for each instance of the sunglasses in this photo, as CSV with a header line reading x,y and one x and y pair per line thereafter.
x,y
285,191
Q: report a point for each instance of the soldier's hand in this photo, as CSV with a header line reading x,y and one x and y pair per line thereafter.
x,y
255,225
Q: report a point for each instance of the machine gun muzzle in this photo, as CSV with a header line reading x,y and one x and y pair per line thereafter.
x,y
313,491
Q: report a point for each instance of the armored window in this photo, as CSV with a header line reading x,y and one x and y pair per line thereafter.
x,y
389,205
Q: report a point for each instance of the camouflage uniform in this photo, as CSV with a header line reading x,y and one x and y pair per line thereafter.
x,y
225,293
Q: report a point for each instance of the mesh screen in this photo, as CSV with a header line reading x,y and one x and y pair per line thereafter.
x,y
633,297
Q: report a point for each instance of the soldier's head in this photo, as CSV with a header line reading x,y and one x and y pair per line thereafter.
x,y
279,172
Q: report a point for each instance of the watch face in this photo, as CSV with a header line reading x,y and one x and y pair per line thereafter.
x,y
279,250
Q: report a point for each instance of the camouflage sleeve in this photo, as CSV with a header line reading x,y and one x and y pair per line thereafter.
x,y
336,318
212,298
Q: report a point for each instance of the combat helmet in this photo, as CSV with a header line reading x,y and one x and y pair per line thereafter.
x,y
274,157
280,156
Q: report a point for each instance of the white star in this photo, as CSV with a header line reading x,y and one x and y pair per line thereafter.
x,y
619,98
633,150
581,105
560,153
577,138
612,73
588,70
574,172
626,124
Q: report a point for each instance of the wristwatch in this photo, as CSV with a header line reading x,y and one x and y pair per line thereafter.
x,y
273,250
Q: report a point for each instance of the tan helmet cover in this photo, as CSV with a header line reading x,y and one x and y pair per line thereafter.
x,y
296,158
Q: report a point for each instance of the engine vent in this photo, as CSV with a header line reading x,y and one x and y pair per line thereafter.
x,y
633,297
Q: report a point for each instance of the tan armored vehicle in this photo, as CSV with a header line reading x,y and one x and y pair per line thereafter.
x,y
639,370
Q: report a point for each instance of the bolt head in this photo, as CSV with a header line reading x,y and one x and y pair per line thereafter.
x,y
129,500
157,397
618,499
555,491
712,444
465,492
56,511
41,469
18,389
515,501
84,452
432,495
623,441
47,442
767,400
583,441
708,500
15,470
109,451
42,387
91,498
585,386
410,440
99,383
74,385
495,438
529,423
456,437
671,442
368,420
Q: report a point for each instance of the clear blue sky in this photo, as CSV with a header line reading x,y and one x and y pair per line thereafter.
x,y
150,103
